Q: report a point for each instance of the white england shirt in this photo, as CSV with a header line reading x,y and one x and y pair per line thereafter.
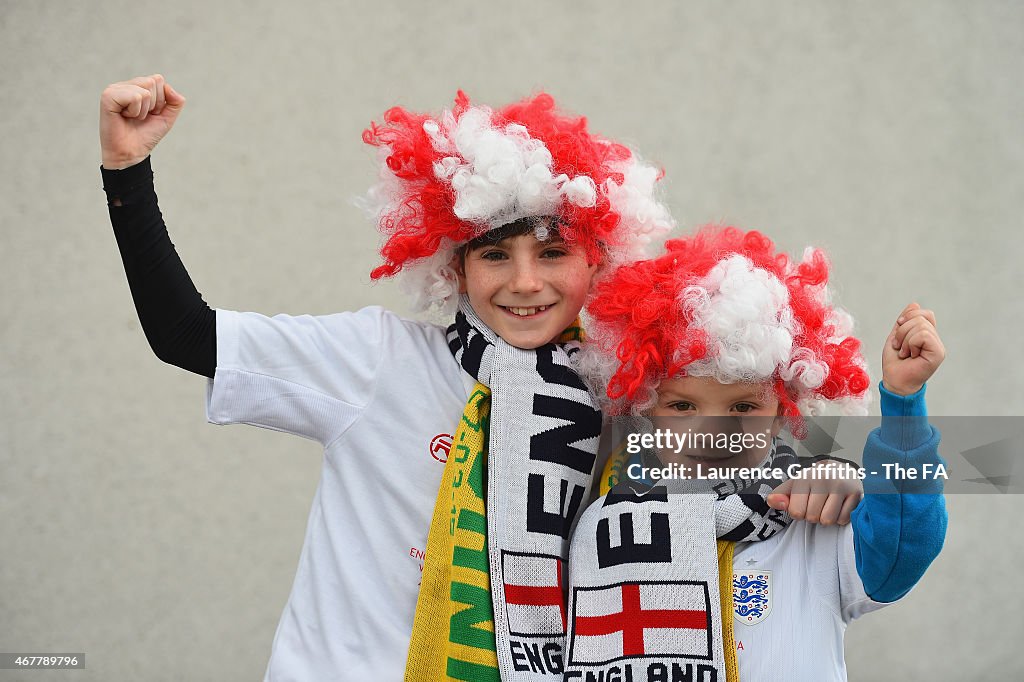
x,y
809,578
383,396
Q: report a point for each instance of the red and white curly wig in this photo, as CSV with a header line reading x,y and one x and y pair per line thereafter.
x,y
725,304
448,179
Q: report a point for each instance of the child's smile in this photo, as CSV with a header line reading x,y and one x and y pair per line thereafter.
x,y
526,312
527,291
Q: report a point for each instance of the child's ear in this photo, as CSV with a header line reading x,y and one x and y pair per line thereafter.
x,y
596,271
458,264
778,422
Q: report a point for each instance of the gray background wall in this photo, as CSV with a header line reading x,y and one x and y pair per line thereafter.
x,y
164,548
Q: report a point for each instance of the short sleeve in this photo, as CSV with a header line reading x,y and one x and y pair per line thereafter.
x,y
311,376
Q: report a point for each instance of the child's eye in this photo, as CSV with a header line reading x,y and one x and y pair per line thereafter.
x,y
744,407
493,255
681,406
553,253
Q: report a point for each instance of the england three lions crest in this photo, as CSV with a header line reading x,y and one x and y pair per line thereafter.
x,y
751,596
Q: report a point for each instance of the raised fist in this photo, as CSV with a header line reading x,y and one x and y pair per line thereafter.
x,y
912,352
134,117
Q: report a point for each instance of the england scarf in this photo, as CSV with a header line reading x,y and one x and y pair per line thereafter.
x,y
492,596
647,578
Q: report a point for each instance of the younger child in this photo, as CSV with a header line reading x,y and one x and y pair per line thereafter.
x,y
514,208
723,325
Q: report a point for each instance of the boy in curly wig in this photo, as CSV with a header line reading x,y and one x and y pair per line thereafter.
x,y
709,578
505,214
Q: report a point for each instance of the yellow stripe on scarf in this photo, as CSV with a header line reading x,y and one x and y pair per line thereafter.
x,y
725,552
611,475
453,630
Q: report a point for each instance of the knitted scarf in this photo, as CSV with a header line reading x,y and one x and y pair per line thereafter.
x,y
650,576
492,597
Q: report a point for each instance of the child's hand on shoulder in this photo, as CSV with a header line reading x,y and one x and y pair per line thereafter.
x,y
912,352
826,494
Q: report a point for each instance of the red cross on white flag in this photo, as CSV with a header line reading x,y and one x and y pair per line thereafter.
x,y
534,595
641,619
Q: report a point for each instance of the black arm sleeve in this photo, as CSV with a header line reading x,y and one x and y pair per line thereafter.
x,y
180,326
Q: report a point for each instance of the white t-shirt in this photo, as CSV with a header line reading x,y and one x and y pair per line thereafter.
x,y
814,592
383,396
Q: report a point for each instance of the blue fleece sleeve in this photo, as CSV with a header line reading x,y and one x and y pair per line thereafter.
x,y
900,525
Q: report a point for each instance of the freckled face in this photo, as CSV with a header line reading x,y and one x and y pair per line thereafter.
x,y
755,408
527,291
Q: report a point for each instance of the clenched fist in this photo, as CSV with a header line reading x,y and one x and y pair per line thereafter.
x,y
134,116
912,352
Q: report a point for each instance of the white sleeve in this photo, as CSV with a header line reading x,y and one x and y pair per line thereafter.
x,y
306,375
854,602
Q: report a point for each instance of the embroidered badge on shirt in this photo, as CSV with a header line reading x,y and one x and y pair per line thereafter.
x,y
751,596
440,446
